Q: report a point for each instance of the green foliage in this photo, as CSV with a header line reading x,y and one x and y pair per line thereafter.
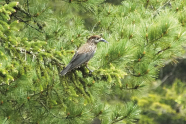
x,y
38,38
164,105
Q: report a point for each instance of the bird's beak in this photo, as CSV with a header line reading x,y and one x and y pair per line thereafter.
x,y
103,40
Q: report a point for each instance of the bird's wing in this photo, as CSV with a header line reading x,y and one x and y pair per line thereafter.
x,y
82,49
84,54
68,67
77,60
80,59
73,57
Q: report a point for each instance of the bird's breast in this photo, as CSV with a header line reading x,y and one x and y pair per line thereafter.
x,y
87,48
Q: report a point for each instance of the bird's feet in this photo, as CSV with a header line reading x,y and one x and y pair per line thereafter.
x,y
90,71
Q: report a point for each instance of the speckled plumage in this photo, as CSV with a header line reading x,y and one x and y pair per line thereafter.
x,y
83,54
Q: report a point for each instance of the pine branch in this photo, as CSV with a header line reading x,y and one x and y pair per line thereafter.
x,y
168,75
21,20
117,120
29,16
49,110
162,50
27,6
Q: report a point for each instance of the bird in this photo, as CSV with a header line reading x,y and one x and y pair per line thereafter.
x,y
84,54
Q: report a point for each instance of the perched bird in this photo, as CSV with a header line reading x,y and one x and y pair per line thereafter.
x,y
84,54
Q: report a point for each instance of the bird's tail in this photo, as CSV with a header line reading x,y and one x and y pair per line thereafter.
x,y
66,69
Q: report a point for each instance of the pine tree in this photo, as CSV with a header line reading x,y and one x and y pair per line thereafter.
x,y
164,105
38,39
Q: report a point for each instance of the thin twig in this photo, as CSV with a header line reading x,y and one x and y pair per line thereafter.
x,y
162,50
21,20
49,110
119,120
27,6
168,75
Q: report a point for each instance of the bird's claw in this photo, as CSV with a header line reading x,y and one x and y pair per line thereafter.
x,y
90,71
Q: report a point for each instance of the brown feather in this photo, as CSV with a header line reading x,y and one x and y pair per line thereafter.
x,y
83,54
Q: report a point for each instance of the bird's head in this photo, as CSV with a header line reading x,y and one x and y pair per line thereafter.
x,y
96,39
